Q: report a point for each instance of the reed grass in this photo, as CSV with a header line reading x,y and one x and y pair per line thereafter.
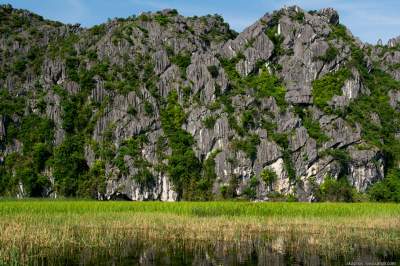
x,y
39,228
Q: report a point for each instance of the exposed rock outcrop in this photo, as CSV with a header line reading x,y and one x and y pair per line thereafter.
x,y
165,107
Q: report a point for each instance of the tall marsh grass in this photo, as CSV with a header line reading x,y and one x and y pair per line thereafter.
x,y
35,229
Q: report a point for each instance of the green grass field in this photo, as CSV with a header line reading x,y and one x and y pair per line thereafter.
x,y
224,208
34,229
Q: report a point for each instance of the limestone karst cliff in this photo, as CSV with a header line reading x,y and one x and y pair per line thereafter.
x,y
164,107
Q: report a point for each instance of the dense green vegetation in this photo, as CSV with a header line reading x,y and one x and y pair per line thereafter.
x,y
70,166
313,128
250,191
339,32
205,184
329,55
229,65
248,145
272,33
37,135
381,135
182,61
132,148
213,71
269,177
183,168
328,86
388,189
299,16
215,35
9,104
268,85
209,121
335,190
162,19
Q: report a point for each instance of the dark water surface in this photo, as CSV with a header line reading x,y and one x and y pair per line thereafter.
x,y
198,253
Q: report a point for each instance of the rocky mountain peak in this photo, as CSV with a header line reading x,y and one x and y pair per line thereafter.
x,y
394,42
331,15
166,107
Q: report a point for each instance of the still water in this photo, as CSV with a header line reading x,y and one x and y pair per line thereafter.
x,y
136,252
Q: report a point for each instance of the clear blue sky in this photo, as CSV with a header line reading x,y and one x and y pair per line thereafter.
x,y
367,19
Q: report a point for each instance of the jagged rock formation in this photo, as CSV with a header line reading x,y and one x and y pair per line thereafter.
x,y
166,107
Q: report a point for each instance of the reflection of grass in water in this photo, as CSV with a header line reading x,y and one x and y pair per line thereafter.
x,y
42,228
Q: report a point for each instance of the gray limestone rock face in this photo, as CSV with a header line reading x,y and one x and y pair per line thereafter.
x,y
124,124
99,94
331,15
389,59
299,139
260,50
15,146
54,71
351,90
366,168
212,69
125,186
223,163
205,137
169,81
71,87
90,156
393,42
394,99
287,121
201,78
161,61
267,153
341,134
315,175
304,157
54,112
